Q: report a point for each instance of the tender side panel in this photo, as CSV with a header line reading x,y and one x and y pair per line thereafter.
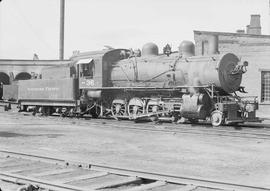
x,y
10,92
48,90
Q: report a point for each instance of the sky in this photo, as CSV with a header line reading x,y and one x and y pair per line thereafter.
x,y
32,26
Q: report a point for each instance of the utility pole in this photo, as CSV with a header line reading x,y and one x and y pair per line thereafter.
x,y
62,28
0,28
269,16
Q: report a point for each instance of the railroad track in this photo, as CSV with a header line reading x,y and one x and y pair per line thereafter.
x,y
59,174
227,131
187,129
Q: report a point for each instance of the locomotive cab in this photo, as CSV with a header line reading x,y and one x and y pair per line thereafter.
x,y
86,69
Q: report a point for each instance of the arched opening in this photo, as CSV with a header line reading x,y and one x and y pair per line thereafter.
x,y
23,76
4,79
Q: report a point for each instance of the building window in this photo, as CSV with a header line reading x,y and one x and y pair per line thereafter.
x,y
204,48
265,91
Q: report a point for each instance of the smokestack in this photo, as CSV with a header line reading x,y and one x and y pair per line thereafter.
x,y
62,28
255,25
213,45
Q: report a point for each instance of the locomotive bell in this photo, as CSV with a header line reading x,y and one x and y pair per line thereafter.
x,y
150,49
187,49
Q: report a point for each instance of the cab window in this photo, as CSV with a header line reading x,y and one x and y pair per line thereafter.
x,y
87,70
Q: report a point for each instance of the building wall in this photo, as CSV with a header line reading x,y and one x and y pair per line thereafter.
x,y
17,67
252,48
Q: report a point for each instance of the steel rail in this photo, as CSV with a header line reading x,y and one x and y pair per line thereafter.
x,y
261,126
177,179
191,130
210,131
188,130
177,127
251,128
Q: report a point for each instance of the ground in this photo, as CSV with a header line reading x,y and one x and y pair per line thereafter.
x,y
231,159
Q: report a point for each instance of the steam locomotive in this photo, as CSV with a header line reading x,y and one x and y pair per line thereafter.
x,y
124,84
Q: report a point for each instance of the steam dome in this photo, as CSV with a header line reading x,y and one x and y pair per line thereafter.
x,y
150,49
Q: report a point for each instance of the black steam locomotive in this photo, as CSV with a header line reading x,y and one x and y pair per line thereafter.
x,y
121,83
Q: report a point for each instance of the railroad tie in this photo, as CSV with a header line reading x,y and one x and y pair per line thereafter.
x,y
147,186
82,177
52,172
188,187
19,179
36,165
28,187
10,164
116,183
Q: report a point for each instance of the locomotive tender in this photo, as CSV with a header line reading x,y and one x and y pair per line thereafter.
x,y
123,84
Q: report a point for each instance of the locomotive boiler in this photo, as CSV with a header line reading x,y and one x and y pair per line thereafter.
x,y
225,71
122,83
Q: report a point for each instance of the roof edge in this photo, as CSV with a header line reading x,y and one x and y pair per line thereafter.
x,y
230,34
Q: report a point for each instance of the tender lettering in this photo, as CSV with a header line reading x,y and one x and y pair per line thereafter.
x,y
49,89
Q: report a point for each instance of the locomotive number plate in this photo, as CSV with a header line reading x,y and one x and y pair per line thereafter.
x,y
88,82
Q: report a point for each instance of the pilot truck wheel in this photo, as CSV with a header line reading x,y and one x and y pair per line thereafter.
x,y
217,118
